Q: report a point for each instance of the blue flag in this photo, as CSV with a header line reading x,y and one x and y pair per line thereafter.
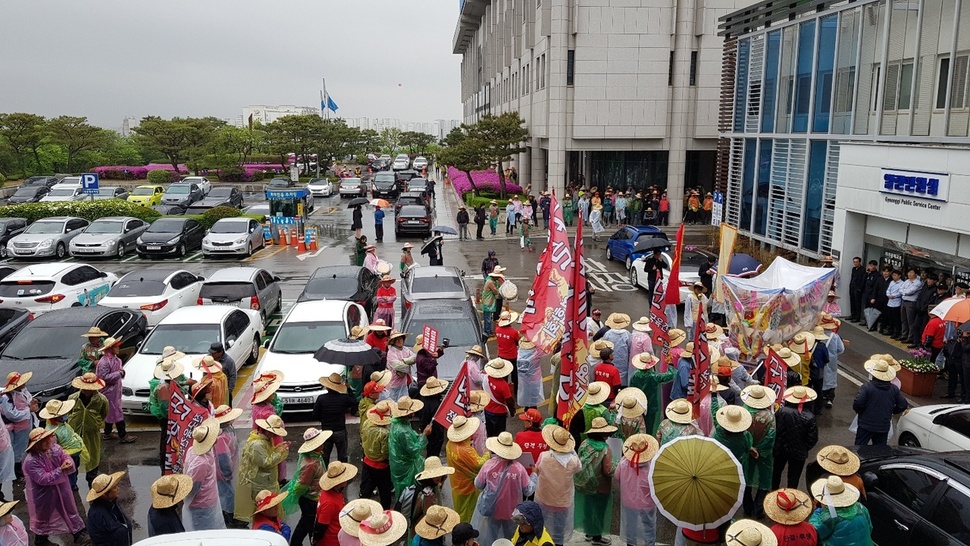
x,y
331,104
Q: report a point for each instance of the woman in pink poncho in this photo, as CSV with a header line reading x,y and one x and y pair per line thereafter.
x,y
638,513
640,342
400,362
504,479
50,502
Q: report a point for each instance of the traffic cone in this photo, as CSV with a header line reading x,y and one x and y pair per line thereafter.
x,y
293,237
284,240
301,244
313,240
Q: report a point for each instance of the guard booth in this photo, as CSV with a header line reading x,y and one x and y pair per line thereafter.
x,y
287,211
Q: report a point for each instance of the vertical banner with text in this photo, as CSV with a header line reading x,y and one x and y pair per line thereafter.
x,y
544,318
574,370
457,401
183,416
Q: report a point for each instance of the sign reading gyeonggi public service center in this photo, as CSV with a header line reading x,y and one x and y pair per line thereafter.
x,y
917,184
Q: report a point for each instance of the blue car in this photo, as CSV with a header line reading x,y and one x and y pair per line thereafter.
x,y
620,246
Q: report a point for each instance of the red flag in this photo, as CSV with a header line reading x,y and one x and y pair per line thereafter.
x,y
701,366
456,401
673,283
544,318
659,329
573,369
776,374
183,416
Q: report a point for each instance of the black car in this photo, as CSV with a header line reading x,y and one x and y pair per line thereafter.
x,y
220,196
413,219
8,228
342,282
383,185
48,345
169,210
11,322
406,199
455,320
28,194
170,236
280,183
48,181
418,184
381,165
111,192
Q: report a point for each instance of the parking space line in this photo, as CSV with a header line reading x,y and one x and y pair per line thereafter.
x,y
131,258
260,256
193,257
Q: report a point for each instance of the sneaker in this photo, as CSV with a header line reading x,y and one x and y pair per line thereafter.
x,y
602,541
828,403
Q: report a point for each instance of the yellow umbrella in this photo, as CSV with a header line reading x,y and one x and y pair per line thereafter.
x,y
696,482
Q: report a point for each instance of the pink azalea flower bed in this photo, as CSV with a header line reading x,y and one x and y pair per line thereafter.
x,y
484,181
137,172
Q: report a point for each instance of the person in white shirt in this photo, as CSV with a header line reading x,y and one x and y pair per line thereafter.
x,y
594,322
696,303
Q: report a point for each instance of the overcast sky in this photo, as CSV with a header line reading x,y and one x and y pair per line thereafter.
x,y
108,59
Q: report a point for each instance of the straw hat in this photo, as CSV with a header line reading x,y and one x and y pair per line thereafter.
x,y
379,326
838,460
418,343
723,361
104,483
790,358
802,343
677,336
717,386
776,346
632,403
273,424
110,342
266,499
819,333
56,408
94,331
733,418
475,350
6,507
169,353
799,394
599,345
337,473
387,279
679,411
381,413
526,344
334,382
382,529
265,385
828,322
37,435
642,325
558,439
747,532
438,521
504,446
170,490
507,317
207,364
640,448
313,439
597,392
204,436
355,512
224,414
169,369
406,406
88,382
15,380
396,334
597,206
498,367
463,428
600,425
787,506
618,320
893,363
832,491
433,469
433,386
407,245
477,400
688,350
833,294
713,331
758,397
498,271
880,369
645,361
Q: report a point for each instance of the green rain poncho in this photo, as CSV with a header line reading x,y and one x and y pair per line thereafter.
x,y
738,443
592,412
649,382
406,450
757,473
594,512
258,470
310,467
88,421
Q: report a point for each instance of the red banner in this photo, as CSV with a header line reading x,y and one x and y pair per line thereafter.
x,y
700,385
673,283
183,416
430,339
574,370
544,318
456,401
776,374
659,329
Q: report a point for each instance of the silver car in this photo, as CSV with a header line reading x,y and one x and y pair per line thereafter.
x,y
109,236
233,236
46,237
64,192
245,287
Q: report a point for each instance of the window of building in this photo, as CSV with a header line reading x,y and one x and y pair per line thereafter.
x,y
741,84
543,70
770,94
670,69
762,187
747,181
693,68
803,81
824,72
958,91
537,73
899,86
812,226
570,66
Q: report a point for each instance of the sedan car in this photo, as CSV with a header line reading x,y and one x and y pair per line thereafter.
x,y
111,192
169,210
28,194
381,164
435,282
401,162
413,219
182,195
48,346
382,185
301,333
351,187
154,292
419,163
9,228
456,321
190,330
62,192
690,262
11,322
46,237
280,183
221,196
406,199
244,287
320,187
228,236
108,236
200,181
170,236
147,195
937,427
620,245
342,282
46,181
41,288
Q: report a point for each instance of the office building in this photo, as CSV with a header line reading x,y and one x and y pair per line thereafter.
x,y
264,114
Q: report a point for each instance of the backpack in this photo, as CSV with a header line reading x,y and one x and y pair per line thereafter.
x,y
587,481
405,502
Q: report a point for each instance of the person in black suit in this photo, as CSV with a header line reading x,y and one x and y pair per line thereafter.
x,y
857,284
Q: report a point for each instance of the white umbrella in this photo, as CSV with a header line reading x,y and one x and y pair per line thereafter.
x,y
945,305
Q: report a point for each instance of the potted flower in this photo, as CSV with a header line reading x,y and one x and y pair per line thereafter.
x,y
917,375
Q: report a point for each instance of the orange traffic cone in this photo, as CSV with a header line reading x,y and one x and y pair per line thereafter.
x,y
293,237
301,244
284,240
313,240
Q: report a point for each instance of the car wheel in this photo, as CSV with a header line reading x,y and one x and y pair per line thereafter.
x,y
249,252
908,440
633,279
254,353
181,250
629,262
61,251
3,251
609,254
121,250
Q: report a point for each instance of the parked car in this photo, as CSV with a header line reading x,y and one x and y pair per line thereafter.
x,y
46,181
407,198
320,187
108,236
169,210
48,346
41,288
46,237
111,192
222,196
239,236
12,321
170,236
439,282
64,193
382,185
381,164
419,163
222,537
351,187
455,320
202,182
280,184
244,287
28,194
413,219
190,330
69,181
154,292
342,282
182,195
301,333
401,162
260,209
620,244
936,427
690,262
9,228
147,195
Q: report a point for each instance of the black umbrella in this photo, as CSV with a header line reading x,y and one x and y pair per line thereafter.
x,y
347,352
427,246
965,327
445,229
357,201
651,244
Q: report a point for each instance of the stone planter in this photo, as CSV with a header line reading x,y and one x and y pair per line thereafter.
x,y
916,384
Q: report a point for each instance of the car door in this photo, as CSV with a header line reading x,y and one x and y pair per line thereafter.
x,y
949,518
157,196
14,227
950,431
617,244
237,345
255,234
131,232
273,286
193,234
898,500
91,284
73,227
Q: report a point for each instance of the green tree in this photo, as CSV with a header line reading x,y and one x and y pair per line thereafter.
x,y
502,137
390,139
76,135
416,142
178,139
299,135
463,152
370,141
24,134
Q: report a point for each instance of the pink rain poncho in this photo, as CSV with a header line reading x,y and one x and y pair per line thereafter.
x,y
515,487
227,461
6,455
475,374
202,509
109,370
400,361
14,533
640,342
638,513
263,410
50,502
555,491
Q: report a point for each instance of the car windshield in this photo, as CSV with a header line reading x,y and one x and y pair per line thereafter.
x,y
27,192
221,193
166,226
106,226
458,329
45,342
62,192
436,284
318,182
340,288
180,189
229,227
258,209
144,191
225,292
306,337
130,287
24,288
45,228
188,338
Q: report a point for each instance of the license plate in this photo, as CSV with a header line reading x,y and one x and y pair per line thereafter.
x,y
145,406
301,400
153,247
414,222
86,250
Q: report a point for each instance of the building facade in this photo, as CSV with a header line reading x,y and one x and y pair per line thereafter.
x,y
805,82
620,93
268,114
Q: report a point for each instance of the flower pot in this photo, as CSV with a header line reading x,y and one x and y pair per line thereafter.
x,y
916,384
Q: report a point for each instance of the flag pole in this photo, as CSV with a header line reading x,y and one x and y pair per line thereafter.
x,y
324,101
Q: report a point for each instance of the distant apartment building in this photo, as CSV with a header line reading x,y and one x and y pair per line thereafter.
x,y
268,114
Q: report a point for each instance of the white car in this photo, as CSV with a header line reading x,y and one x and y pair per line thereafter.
x,y
190,330
689,274
307,326
240,236
45,287
401,162
156,292
200,181
419,163
64,192
220,537
320,187
938,427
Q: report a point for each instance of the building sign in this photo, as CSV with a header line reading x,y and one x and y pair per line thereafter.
x,y
893,259
922,185
286,194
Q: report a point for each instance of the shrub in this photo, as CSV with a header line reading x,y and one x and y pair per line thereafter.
x,y
484,181
472,200
160,177
210,216
135,172
240,173
2,178
89,210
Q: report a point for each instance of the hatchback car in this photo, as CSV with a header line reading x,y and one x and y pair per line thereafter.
x,y
62,192
170,237
221,196
342,282
111,192
382,185
108,236
320,187
620,245
245,287
936,427
434,282
182,195
147,195
419,163
154,292
456,321
9,228
41,288
28,194
352,187
413,219
202,182
190,330
307,326
233,236
46,237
